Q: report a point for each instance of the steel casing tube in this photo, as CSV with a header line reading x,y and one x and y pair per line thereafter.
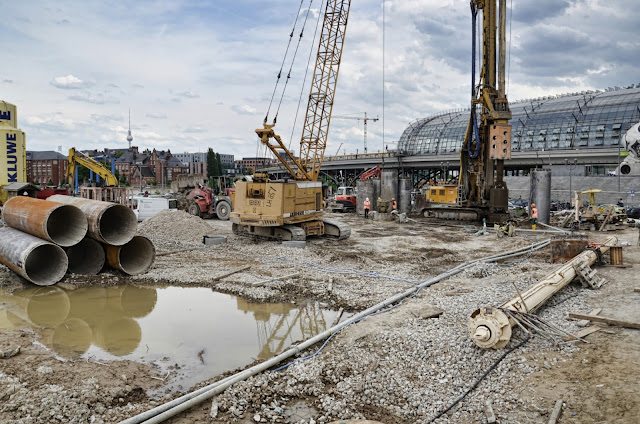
x,y
109,223
37,260
58,223
86,257
135,257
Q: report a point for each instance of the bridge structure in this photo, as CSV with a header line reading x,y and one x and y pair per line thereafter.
x,y
345,169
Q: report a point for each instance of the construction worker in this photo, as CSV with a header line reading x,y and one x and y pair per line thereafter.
x,y
367,206
394,205
534,216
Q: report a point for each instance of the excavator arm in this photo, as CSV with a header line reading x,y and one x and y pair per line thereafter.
x,y
79,158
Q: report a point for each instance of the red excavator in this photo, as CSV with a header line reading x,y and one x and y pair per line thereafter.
x,y
345,200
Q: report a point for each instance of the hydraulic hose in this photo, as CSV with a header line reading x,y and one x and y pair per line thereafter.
x,y
174,407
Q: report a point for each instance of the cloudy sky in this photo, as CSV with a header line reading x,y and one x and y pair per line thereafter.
x,y
200,73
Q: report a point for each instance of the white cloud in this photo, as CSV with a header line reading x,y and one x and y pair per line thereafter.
x,y
94,98
244,109
70,82
195,130
156,115
188,94
50,123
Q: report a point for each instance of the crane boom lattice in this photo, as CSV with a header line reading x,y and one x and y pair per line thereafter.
x,y
323,85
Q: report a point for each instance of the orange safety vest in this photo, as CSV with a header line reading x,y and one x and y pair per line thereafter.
x,y
367,204
394,205
534,213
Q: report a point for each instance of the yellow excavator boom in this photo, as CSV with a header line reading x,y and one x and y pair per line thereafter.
x,y
79,158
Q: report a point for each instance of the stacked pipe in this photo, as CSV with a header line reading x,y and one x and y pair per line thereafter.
x,y
114,226
44,238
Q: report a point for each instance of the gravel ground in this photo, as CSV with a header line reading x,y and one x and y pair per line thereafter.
x,y
401,366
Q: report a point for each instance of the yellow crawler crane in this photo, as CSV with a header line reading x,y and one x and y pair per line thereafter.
x,y
291,209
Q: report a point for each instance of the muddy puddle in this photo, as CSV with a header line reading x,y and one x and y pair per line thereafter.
x,y
187,334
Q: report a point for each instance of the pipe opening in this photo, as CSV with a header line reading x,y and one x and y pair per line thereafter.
x,y
66,225
137,256
46,265
86,257
118,225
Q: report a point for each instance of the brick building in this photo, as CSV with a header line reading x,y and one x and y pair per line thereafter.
x,y
148,166
46,166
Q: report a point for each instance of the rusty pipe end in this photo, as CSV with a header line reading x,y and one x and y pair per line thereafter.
x,y
66,225
109,223
86,257
133,258
118,225
56,222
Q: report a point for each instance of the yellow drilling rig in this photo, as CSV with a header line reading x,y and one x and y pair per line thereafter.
x,y
482,192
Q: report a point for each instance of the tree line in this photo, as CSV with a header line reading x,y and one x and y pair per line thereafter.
x,y
214,164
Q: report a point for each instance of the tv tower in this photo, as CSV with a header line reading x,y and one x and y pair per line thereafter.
x,y
129,136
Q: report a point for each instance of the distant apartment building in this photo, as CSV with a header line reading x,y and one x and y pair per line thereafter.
x,y
197,162
256,163
45,166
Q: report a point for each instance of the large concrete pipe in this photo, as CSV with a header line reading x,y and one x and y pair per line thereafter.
x,y
38,261
540,193
490,327
109,223
62,224
389,184
86,257
135,257
404,195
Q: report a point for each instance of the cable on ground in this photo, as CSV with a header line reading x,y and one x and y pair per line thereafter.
x,y
482,377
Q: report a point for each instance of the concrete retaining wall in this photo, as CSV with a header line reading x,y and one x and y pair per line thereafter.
x,y
519,186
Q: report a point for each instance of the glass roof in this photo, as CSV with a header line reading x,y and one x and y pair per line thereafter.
x,y
590,119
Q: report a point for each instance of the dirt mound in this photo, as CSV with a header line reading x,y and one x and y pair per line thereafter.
x,y
175,225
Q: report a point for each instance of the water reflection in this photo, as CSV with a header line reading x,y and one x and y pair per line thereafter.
x,y
70,321
203,331
275,335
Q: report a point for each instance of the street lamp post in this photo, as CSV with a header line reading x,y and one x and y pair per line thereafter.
x,y
444,166
618,169
571,168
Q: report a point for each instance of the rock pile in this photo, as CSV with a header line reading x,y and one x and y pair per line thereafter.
x,y
176,226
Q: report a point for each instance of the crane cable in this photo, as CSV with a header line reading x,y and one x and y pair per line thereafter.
x,y
472,121
383,64
295,53
509,45
306,72
295,22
